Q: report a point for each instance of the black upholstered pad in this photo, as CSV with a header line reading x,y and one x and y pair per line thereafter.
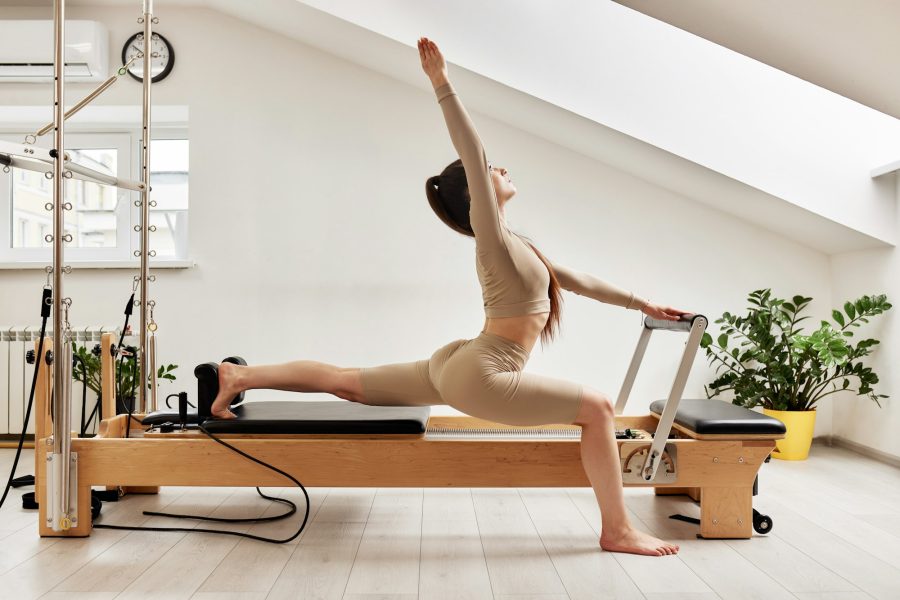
x,y
321,417
710,417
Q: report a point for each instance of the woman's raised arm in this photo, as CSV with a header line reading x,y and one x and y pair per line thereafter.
x,y
484,213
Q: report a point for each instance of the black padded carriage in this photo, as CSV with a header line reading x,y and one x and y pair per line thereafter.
x,y
715,417
305,416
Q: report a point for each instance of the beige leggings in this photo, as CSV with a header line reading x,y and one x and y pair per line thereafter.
x,y
481,377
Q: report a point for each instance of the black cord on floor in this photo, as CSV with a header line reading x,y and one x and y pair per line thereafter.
x,y
224,520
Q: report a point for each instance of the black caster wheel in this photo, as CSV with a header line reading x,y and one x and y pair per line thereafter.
x,y
761,523
96,506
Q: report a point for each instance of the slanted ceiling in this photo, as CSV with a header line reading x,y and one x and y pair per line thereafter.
x,y
684,113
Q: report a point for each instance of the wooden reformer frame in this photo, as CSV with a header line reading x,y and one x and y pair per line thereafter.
x,y
717,470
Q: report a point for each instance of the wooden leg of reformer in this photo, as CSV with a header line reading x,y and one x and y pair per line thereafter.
x,y
108,382
726,512
83,526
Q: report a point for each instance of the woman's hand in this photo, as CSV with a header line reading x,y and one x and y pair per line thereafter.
x,y
432,62
663,312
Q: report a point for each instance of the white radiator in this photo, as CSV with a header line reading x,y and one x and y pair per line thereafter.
x,y
16,374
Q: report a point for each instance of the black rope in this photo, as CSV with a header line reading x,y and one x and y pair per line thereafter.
x,y
46,299
189,403
83,389
290,512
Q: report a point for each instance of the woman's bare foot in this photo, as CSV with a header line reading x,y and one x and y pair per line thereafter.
x,y
228,389
633,541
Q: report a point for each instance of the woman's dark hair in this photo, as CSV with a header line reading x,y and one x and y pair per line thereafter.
x,y
448,195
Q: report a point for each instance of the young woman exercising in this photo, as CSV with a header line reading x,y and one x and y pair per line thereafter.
x,y
484,376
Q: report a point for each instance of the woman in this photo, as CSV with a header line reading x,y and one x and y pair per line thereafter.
x,y
484,376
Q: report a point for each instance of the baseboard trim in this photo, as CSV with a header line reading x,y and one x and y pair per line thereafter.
x,y
878,455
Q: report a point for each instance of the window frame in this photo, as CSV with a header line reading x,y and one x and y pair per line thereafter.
x,y
158,134
127,143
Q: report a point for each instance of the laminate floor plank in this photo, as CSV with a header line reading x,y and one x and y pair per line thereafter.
x,y
180,571
388,558
518,562
864,570
252,566
320,566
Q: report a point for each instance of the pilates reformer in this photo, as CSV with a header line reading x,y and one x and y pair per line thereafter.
x,y
708,449
677,447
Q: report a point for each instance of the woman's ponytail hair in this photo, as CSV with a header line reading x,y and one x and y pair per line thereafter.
x,y
448,195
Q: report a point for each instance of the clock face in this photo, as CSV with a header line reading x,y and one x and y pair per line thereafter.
x,y
162,56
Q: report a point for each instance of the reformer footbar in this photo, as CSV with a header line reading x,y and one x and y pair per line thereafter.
x,y
695,325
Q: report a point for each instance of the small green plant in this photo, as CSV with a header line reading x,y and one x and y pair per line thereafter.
x,y
125,372
777,367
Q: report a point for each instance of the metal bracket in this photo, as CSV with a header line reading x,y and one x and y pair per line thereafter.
x,y
55,519
633,457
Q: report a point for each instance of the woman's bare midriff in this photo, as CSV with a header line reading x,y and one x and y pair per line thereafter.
x,y
524,330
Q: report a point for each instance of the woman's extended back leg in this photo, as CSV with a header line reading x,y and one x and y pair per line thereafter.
x,y
296,376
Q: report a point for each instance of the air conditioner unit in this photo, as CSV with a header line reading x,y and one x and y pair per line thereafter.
x,y
26,51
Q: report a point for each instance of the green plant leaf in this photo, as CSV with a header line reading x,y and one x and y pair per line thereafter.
x,y
836,314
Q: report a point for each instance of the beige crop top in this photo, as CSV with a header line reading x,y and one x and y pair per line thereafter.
x,y
514,280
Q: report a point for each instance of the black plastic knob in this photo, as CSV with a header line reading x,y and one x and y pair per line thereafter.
x,y
29,357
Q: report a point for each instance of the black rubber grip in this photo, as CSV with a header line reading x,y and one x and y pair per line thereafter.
x,y
684,323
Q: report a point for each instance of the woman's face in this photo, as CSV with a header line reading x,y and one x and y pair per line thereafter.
x,y
503,185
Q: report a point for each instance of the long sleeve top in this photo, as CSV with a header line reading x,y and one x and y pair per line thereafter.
x,y
514,280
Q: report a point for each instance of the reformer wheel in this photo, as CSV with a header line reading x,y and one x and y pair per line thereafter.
x,y
761,523
96,507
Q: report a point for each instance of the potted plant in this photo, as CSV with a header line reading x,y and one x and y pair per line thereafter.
x,y
786,372
88,362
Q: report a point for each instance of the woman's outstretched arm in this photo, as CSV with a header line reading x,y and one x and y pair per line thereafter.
x,y
484,214
589,286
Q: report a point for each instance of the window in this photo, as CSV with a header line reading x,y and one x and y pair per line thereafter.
x,y
169,178
103,218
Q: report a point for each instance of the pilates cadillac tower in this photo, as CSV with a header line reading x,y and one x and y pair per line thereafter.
x,y
61,495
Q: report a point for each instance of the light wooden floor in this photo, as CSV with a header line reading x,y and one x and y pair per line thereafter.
x,y
836,536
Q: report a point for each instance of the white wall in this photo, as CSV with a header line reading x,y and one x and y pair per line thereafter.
x,y
313,237
870,272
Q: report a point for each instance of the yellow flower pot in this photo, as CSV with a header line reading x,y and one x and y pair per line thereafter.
x,y
798,438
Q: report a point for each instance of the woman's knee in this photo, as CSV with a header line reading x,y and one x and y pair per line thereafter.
x,y
347,384
595,406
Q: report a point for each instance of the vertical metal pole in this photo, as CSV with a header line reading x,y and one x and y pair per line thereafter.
x,y
143,403
61,431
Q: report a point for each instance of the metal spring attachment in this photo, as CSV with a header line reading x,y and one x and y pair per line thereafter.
x,y
488,432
